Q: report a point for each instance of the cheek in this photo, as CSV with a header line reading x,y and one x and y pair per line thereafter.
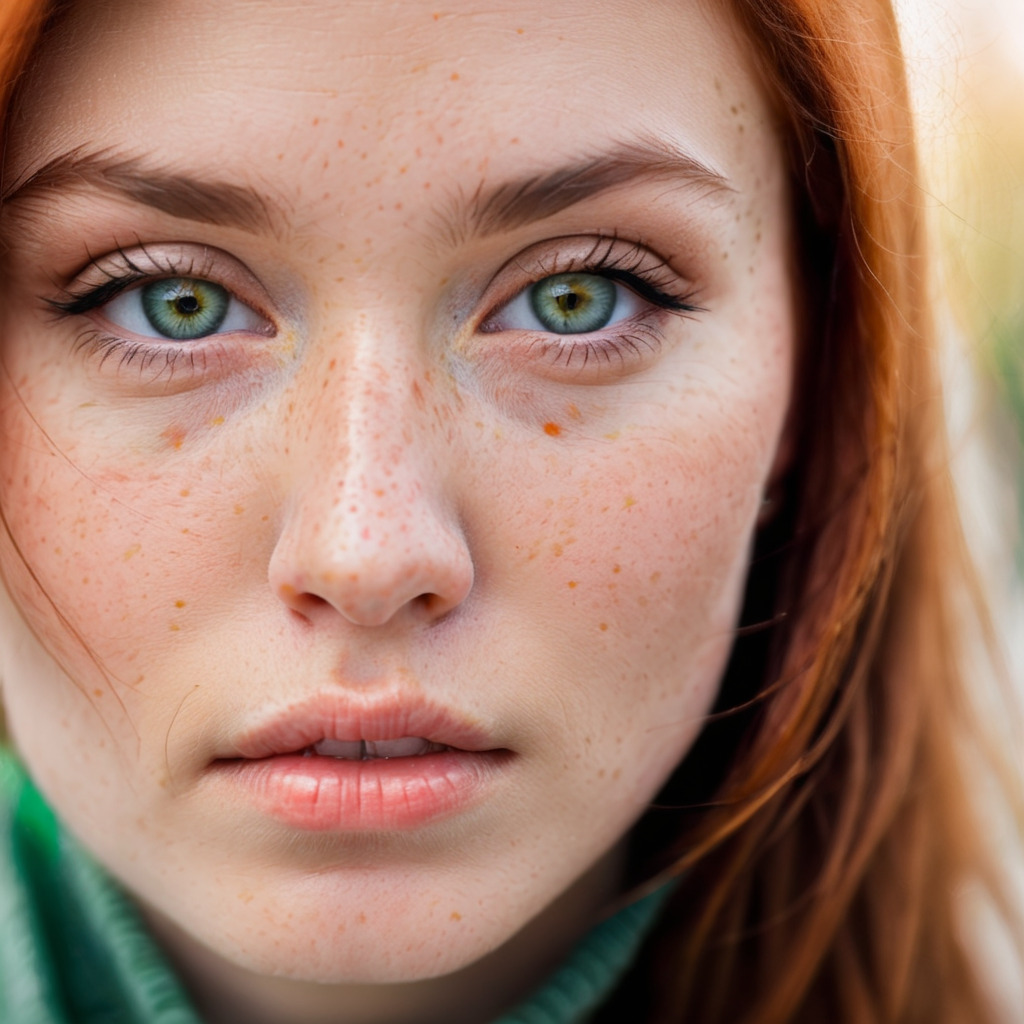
x,y
624,570
108,547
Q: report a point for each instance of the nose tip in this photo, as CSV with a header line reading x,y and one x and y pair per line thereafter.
x,y
420,569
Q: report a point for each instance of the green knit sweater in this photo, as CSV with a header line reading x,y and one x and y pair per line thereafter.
x,y
73,950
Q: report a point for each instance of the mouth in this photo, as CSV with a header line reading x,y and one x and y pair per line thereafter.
x,y
330,765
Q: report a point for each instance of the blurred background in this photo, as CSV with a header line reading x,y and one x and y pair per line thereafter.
x,y
966,61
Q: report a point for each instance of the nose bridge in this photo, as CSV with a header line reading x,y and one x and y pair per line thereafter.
x,y
371,528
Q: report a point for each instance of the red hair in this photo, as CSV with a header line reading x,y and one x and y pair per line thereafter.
x,y
823,865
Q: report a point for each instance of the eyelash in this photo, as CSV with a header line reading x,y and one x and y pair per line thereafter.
x,y
628,264
635,267
122,272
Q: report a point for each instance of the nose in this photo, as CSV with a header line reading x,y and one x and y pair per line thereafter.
x,y
369,530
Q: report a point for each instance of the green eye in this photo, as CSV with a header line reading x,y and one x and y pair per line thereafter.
x,y
574,303
185,308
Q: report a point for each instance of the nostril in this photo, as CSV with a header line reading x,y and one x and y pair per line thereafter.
x,y
302,604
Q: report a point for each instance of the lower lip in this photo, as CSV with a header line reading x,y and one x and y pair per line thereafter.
x,y
323,794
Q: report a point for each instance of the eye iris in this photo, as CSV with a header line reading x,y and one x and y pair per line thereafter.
x,y
573,303
185,308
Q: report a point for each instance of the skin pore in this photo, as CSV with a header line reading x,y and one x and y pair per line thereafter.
x,y
381,482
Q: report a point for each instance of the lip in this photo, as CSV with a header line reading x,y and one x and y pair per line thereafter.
x,y
265,765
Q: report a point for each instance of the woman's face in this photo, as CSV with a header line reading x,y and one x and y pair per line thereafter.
x,y
399,384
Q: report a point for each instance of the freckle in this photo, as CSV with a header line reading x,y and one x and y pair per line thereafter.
x,y
572,584
97,693
174,435
217,421
179,604
246,896
552,429
616,773
616,568
361,918
455,916
239,510
175,627
184,493
280,156
316,121
613,436
185,530
131,552
426,184
603,626
520,31
629,502
455,76
655,576
556,550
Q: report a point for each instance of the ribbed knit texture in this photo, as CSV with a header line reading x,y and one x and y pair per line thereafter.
x,y
73,949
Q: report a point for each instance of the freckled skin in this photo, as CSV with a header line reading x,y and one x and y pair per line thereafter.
x,y
379,496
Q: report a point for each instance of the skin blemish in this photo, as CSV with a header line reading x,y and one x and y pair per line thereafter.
x,y
239,509
184,492
131,552
217,421
603,626
629,502
552,429
174,436
455,916
179,604
572,584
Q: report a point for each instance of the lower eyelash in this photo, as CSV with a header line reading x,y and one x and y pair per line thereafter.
x,y
163,359
640,339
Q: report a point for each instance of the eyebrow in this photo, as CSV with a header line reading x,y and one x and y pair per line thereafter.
x,y
221,203
521,202
486,211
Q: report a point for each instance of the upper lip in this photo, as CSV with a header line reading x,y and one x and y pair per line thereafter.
x,y
300,725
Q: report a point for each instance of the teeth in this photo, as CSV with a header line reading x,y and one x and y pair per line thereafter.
x,y
407,746
352,750
365,750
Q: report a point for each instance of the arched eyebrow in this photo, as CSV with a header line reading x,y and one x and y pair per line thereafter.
x,y
222,203
523,201
487,210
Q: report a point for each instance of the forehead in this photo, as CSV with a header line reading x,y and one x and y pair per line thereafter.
x,y
241,84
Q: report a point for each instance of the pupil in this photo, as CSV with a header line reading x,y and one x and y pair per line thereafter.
x,y
187,305
569,301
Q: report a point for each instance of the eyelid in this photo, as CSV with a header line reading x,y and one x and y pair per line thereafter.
x,y
105,277
632,264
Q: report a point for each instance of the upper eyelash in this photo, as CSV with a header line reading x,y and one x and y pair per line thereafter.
x,y
629,268
92,298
